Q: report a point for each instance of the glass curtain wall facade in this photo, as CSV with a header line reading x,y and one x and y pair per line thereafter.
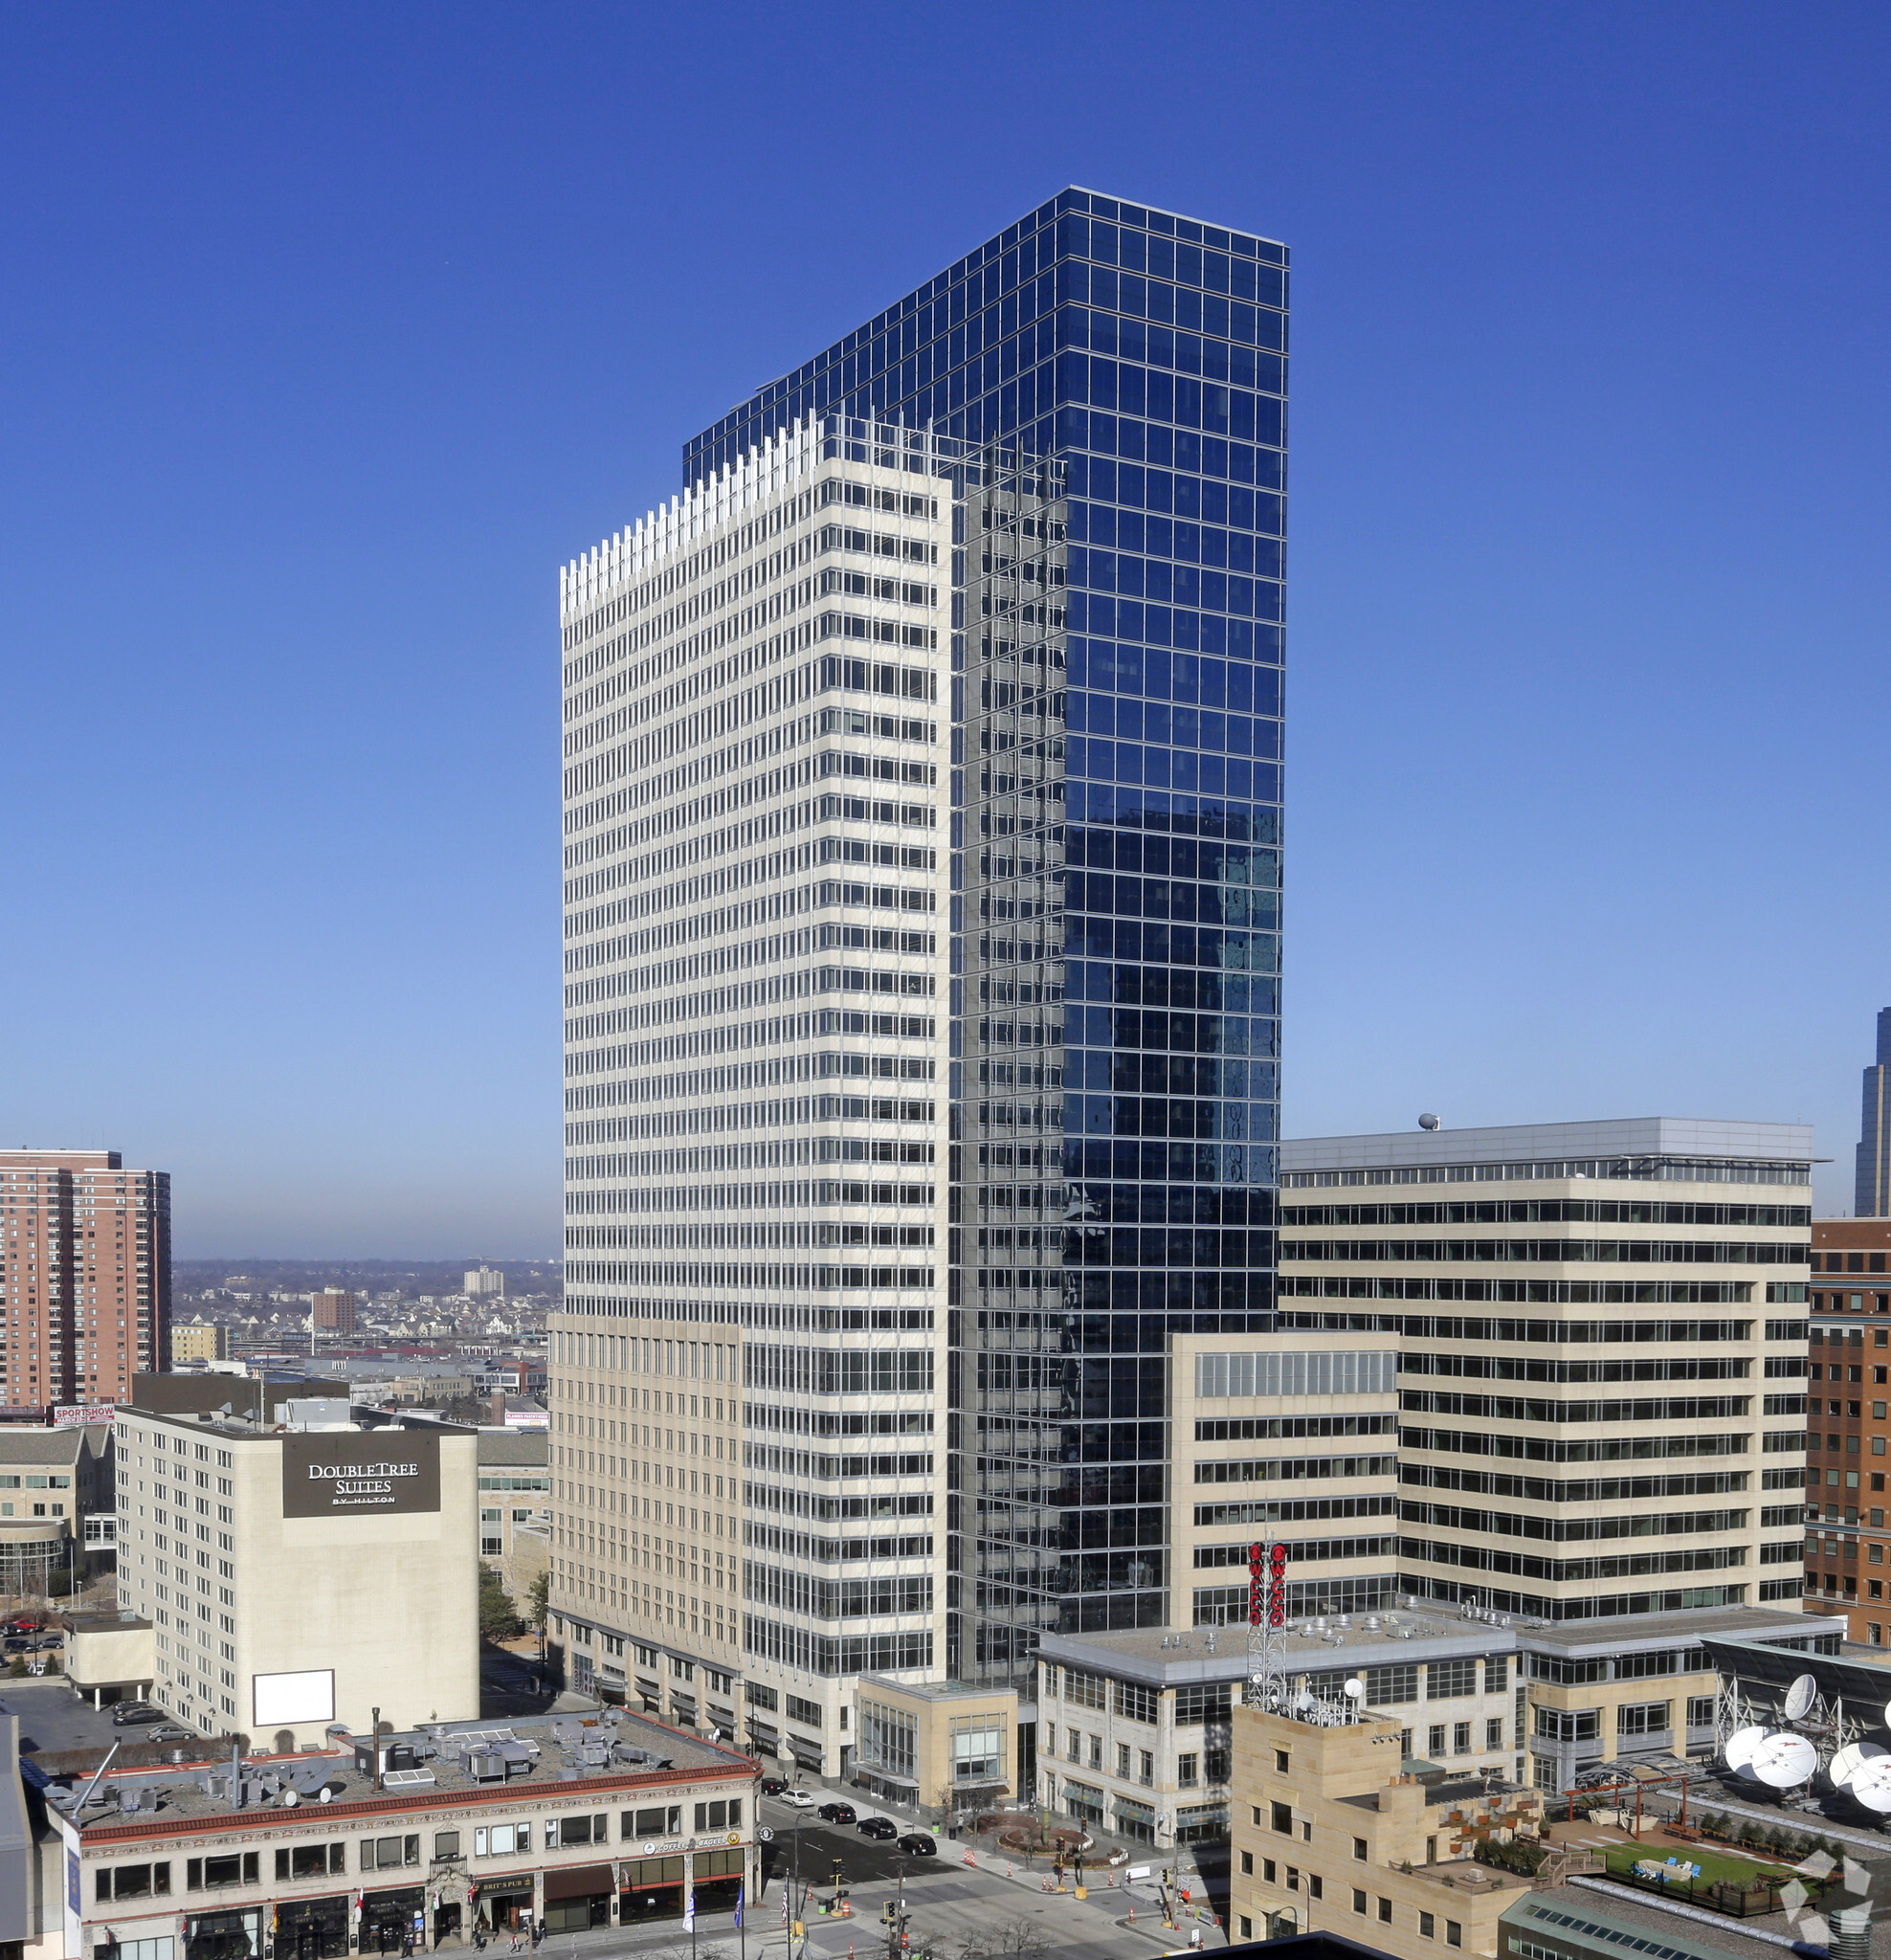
x,y
1118,656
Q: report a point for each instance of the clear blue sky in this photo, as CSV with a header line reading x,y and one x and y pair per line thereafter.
x,y
327,333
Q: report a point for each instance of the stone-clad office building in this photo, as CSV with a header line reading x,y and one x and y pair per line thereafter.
x,y
757,1001
1602,1353
951,800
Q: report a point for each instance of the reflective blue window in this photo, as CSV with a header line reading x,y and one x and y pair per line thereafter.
x,y
1118,1173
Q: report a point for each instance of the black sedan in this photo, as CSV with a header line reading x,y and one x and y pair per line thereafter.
x,y
773,1786
132,1714
878,1827
919,1846
837,1812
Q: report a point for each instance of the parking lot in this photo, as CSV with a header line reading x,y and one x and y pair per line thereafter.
x,y
53,1718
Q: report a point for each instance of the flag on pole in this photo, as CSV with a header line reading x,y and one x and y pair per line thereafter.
x,y
741,1893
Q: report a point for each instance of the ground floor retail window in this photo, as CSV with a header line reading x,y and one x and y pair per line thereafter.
x,y
577,1915
390,1919
1201,1824
165,1947
312,1929
235,1935
500,1908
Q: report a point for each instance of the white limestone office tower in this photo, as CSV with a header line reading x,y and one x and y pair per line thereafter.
x,y
747,1374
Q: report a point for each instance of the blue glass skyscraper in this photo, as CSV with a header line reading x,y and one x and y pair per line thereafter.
x,y
1117,747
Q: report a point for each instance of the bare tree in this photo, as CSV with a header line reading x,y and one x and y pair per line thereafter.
x,y
1019,1937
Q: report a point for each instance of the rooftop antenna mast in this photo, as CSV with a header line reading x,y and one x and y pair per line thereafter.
x,y
1267,1627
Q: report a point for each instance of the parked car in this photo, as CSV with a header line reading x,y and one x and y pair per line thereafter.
x,y
134,1714
24,1623
16,1643
801,1799
878,1827
919,1846
773,1786
48,1641
171,1731
837,1812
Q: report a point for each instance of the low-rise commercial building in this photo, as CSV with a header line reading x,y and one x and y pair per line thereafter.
x,y
57,1508
459,1828
1583,1921
293,1565
1638,1689
944,1747
109,1656
514,1506
193,1342
1334,1822
1133,1728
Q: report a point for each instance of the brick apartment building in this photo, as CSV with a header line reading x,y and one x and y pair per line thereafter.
x,y
333,1308
86,1270
1848,1421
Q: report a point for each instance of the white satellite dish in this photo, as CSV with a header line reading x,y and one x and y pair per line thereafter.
x,y
1355,1691
1783,1761
1800,1697
1846,1763
1871,1785
1740,1744
290,1799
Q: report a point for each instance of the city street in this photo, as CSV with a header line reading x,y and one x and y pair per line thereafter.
x,y
952,1905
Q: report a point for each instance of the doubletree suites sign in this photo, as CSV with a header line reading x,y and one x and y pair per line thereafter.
x,y
337,1475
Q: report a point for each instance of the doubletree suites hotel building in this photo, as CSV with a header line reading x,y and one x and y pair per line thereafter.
x,y
922,942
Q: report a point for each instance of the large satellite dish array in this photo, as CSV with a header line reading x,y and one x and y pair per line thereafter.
x,y
1785,1759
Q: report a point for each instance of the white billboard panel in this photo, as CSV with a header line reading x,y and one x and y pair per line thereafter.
x,y
306,1697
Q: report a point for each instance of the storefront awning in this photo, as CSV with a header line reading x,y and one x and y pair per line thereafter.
x,y
577,1880
887,1776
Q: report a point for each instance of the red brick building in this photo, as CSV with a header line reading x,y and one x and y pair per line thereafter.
x,y
1848,1426
333,1308
84,1276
